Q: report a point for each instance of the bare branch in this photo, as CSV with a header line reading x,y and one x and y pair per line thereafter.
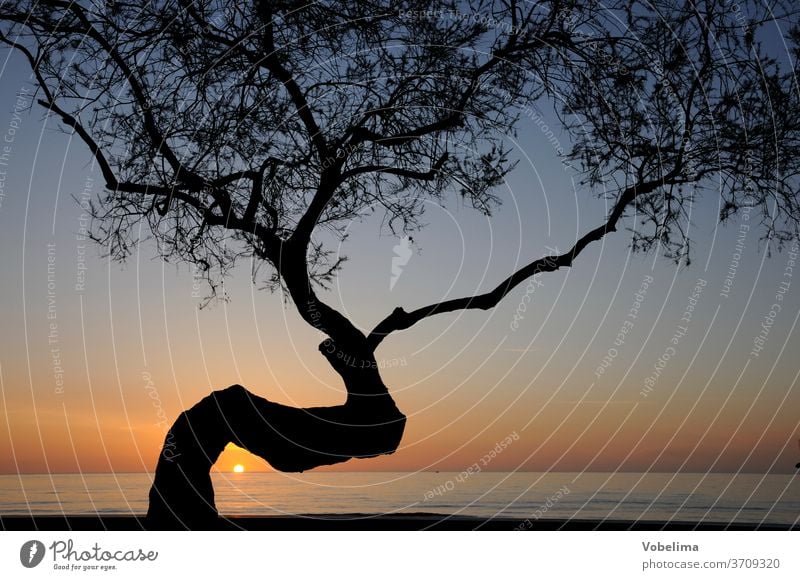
x,y
399,171
399,319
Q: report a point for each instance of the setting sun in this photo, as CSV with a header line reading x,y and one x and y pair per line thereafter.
x,y
238,468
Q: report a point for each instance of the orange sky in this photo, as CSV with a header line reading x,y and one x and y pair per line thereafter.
x,y
130,345
463,388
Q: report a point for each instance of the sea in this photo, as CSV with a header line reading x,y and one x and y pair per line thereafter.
x,y
686,497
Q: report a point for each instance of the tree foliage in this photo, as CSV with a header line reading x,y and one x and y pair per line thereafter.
x,y
238,129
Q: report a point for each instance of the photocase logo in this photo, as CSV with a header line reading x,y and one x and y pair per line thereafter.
x,y
402,254
31,553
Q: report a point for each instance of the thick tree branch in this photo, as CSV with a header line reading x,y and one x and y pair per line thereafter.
x,y
399,171
137,88
256,193
329,182
49,103
399,319
274,65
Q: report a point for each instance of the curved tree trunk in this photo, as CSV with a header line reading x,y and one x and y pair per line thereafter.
x,y
288,438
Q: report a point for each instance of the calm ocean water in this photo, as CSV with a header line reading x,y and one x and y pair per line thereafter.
x,y
685,497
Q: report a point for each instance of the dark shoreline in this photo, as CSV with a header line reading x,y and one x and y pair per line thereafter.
x,y
398,522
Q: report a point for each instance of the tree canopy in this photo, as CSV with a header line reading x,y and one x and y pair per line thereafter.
x,y
238,129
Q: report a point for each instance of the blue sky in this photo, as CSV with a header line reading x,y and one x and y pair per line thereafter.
x,y
125,333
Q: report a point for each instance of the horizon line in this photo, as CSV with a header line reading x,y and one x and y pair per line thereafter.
x,y
743,472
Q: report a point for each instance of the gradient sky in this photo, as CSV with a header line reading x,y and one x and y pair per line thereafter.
x,y
135,348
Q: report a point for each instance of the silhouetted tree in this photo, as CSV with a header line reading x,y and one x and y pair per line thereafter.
x,y
235,129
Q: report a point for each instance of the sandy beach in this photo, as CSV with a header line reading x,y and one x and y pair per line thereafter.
x,y
399,522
